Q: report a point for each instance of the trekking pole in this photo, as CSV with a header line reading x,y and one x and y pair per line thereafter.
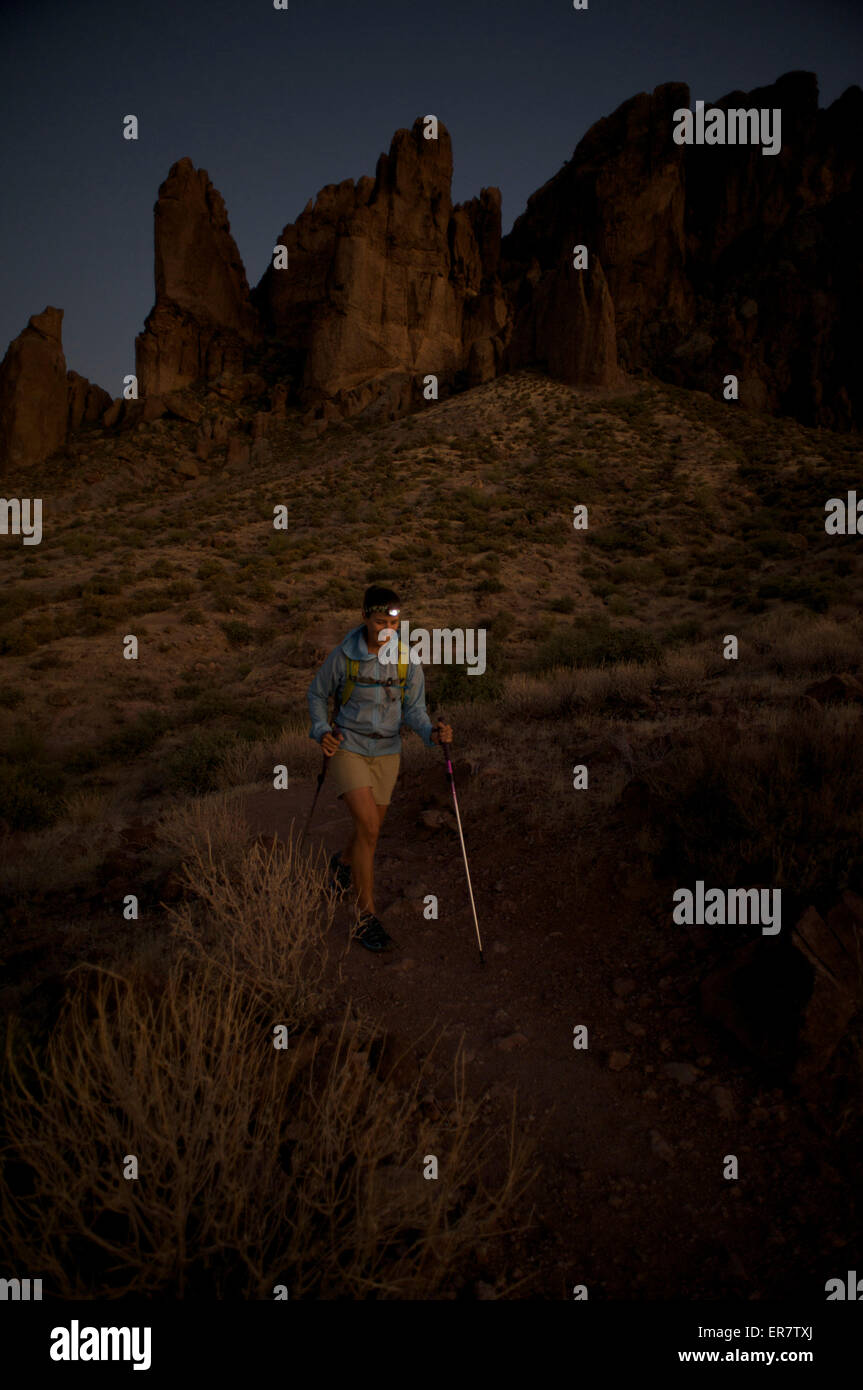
x,y
448,756
321,775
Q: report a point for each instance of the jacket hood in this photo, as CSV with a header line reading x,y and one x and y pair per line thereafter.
x,y
355,648
354,645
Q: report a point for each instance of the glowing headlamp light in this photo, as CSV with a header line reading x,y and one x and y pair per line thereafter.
x,y
378,612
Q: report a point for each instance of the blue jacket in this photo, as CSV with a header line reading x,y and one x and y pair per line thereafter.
x,y
370,708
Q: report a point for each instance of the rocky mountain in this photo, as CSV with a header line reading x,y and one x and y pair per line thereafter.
x,y
388,281
40,402
202,320
701,261
33,392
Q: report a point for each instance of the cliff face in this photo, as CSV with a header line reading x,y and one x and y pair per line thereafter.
x,y
202,320
622,196
33,393
388,281
718,258
774,249
702,260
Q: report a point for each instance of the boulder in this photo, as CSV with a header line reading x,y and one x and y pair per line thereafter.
x,y
183,406
832,948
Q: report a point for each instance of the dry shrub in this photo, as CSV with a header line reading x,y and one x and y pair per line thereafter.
x,y
214,823
51,860
567,691
248,763
295,749
400,1235
257,1166
265,916
89,806
781,802
186,1083
244,765
809,645
536,697
630,682
686,669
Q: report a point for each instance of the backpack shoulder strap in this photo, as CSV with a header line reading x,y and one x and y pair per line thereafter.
x,y
343,695
403,677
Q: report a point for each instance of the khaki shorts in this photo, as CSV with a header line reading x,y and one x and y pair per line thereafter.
x,y
347,771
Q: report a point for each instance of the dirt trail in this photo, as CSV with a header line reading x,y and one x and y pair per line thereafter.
x,y
631,1199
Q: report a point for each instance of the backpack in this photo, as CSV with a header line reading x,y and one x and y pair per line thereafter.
x,y
342,696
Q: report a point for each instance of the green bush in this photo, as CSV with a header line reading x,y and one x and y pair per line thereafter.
x,y
595,643
257,720
30,797
451,685
810,593
17,644
83,545
626,540
682,633
136,737
238,634
13,603
780,808
194,768
31,789
501,625
258,587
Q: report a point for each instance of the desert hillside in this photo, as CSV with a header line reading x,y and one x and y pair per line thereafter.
x,y
606,650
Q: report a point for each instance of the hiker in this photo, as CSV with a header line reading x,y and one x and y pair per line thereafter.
x,y
363,748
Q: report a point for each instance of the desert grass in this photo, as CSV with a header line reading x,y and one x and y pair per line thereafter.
x,y
57,859
265,917
251,763
811,646
214,823
257,1166
782,805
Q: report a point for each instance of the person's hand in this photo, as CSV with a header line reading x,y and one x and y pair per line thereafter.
x,y
442,734
330,743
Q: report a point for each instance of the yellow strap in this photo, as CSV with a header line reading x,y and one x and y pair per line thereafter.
x,y
353,672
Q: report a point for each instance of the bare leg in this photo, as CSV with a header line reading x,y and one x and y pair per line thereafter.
x,y
368,818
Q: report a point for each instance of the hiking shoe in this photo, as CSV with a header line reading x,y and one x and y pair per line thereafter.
x,y
340,875
371,934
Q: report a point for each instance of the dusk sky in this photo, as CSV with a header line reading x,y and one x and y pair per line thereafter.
x,y
275,104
